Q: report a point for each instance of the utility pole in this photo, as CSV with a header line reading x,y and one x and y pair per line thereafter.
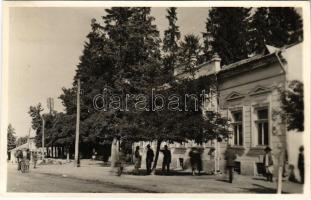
x,y
43,124
280,170
29,138
77,160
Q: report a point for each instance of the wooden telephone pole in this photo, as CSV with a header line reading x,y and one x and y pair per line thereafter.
x,y
77,160
43,124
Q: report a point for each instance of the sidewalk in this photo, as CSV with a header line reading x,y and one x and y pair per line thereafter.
x,y
178,183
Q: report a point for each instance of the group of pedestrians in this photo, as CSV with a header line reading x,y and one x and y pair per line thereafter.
x,y
195,155
23,160
268,163
167,157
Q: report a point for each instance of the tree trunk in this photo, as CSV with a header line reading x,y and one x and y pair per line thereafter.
x,y
156,157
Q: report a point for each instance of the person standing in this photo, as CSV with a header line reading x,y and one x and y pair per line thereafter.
x,y
193,163
19,156
301,164
268,163
28,157
137,160
167,158
149,158
35,159
198,158
230,162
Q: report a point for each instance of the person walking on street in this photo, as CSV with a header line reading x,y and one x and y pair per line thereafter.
x,y
28,157
301,164
167,157
137,160
230,162
268,163
149,158
19,156
35,159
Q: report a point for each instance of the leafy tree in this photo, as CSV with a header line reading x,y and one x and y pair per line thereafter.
x,y
21,140
293,106
170,44
36,122
11,137
62,133
95,71
122,55
36,115
189,54
185,121
276,26
227,34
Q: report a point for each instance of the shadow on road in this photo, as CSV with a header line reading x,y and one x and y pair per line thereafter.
x,y
159,172
261,189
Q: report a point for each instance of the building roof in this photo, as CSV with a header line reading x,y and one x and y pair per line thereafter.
x,y
21,147
249,61
270,55
30,146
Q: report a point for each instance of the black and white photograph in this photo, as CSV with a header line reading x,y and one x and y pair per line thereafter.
x,y
142,98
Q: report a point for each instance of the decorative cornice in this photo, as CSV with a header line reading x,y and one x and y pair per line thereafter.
x,y
233,96
259,90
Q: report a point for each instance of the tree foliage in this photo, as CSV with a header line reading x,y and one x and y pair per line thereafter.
x,y
227,34
170,44
11,137
276,27
189,54
238,33
293,105
21,140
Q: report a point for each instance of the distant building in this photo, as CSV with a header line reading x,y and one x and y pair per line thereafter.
x,y
31,145
246,92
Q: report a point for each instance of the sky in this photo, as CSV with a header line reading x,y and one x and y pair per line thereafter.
x,y
44,49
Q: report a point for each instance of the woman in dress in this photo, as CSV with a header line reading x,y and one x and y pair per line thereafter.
x,y
137,160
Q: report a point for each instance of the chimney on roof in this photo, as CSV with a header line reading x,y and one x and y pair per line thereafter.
x,y
210,67
215,63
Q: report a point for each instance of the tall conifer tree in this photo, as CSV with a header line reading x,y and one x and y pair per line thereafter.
x,y
227,34
276,26
170,44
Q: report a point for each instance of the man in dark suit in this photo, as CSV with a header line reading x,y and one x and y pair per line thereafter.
x,y
301,164
149,158
167,157
230,158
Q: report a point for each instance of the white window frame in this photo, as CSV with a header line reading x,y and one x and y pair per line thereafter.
x,y
236,124
233,110
262,123
256,122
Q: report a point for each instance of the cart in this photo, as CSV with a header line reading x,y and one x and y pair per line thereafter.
x,y
25,165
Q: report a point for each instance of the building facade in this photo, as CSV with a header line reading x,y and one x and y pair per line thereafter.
x,y
247,94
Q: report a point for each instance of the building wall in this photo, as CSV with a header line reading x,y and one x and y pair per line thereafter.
x,y
247,93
